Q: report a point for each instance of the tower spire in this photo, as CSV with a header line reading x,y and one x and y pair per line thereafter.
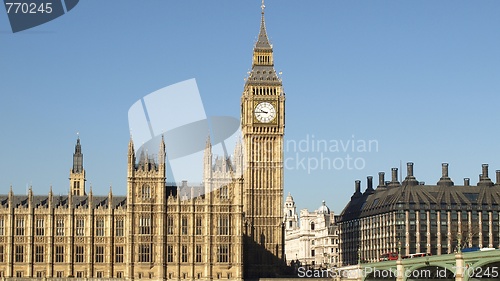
x,y
262,40
263,61
77,173
78,156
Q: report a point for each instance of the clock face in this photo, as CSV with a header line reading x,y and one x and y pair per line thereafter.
x,y
265,112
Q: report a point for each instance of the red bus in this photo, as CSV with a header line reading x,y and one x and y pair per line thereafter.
x,y
388,257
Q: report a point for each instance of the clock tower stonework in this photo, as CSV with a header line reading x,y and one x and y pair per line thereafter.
x,y
263,127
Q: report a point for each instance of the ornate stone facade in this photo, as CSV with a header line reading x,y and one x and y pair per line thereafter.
x,y
315,241
156,232
263,128
228,228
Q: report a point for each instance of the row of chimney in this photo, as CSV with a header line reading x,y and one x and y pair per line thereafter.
x,y
445,180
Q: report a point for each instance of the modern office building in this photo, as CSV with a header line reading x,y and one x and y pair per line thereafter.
x,y
419,218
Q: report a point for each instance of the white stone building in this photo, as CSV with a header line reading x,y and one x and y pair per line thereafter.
x,y
311,239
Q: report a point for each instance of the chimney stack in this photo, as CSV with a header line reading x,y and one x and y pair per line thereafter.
x,y
444,169
394,174
358,186
410,179
369,185
484,180
381,179
409,169
498,176
357,189
445,179
394,181
485,171
466,182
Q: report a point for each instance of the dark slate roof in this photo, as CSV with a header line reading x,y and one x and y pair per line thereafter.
x,y
58,200
409,196
263,74
262,40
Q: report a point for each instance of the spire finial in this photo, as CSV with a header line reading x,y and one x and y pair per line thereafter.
x,y
263,7
208,143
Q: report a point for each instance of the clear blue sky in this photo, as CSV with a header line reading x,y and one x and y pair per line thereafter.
x,y
421,78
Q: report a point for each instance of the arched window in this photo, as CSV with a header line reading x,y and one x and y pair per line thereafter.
x,y
312,225
290,213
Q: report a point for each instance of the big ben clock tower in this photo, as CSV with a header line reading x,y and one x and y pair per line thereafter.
x,y
263,127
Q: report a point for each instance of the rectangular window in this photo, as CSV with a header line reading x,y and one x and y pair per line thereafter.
x,y
464,215
184,225
79,274
119,274
170,225
99,227
423,215
198,253
59,253
19,257
79,254
20,227
39,251
1,253
184,253
119,254
99,254
223,225
60,227
80,227
146,192
119,228
223,253
145,225
2,227
144,253
170,253
100,274
199,226
60,274
223,192
40,230
39,274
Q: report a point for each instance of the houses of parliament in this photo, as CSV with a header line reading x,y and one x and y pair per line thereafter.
x,y
232,231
